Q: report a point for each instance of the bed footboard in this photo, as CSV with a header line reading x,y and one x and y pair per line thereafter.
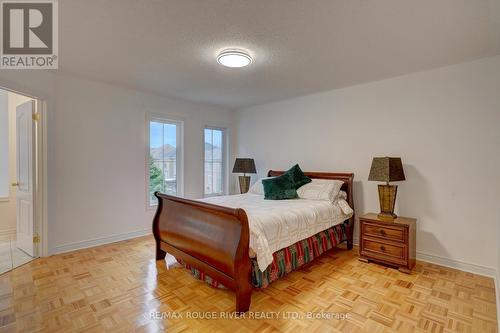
x,y
211,238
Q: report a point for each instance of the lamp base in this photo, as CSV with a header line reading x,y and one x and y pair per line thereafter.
x,y
387,216
387,198
244,184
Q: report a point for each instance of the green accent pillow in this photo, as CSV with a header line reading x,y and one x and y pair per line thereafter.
x,y
298,176
279,188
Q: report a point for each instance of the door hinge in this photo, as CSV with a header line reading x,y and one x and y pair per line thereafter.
x,y
36,116
36,239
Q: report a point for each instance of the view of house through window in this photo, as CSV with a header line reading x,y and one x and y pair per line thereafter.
x,y
163,158
214,161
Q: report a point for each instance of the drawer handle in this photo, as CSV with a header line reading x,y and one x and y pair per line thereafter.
x,y
382,232
382,248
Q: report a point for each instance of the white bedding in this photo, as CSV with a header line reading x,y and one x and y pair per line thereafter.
x,y
276,224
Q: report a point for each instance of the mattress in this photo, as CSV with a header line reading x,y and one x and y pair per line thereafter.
x,y
277,224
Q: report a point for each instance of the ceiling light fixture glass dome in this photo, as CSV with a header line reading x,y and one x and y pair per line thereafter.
x,y
234,58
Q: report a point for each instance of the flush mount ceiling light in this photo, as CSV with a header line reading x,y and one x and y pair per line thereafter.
x,y
234,58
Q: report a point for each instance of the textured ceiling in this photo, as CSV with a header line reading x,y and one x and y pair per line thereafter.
x,y
168,47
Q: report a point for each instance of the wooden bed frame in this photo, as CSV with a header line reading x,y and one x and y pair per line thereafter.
x,y
215,239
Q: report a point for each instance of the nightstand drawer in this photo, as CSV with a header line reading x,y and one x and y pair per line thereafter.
x,y
397,234
383,249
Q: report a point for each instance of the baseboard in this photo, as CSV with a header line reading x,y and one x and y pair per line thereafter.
x,y
452,263
98,241
7,232
457,264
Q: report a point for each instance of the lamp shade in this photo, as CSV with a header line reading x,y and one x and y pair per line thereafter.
x,y
244,165
387,169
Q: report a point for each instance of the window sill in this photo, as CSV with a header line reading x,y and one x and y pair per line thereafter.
x,y
4,199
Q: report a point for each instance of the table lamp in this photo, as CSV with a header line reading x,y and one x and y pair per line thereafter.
x,y
387,169
244,166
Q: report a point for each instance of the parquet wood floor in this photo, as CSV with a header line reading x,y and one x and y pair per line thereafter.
x,y
121,288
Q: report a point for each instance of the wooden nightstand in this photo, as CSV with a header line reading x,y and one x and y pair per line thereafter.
x,y
391,243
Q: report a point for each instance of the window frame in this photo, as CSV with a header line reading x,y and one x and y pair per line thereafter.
x,y
225,172
166,119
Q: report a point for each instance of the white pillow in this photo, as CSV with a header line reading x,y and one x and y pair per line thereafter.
x,y
342,195
257,187
321,189
346,209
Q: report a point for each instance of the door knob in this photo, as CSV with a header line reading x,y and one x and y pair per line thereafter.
x,y
15,184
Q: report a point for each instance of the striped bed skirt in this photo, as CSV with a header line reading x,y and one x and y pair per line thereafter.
x,y
288,259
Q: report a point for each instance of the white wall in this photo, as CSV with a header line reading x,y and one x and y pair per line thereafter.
x,y
96,155
444,124
98,168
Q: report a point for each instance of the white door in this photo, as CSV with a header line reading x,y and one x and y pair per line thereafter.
x,y
25,132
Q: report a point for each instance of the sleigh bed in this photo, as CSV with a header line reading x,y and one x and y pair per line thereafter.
x,y
214,241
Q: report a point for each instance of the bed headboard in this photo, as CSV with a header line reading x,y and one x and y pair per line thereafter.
x,y
347,178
